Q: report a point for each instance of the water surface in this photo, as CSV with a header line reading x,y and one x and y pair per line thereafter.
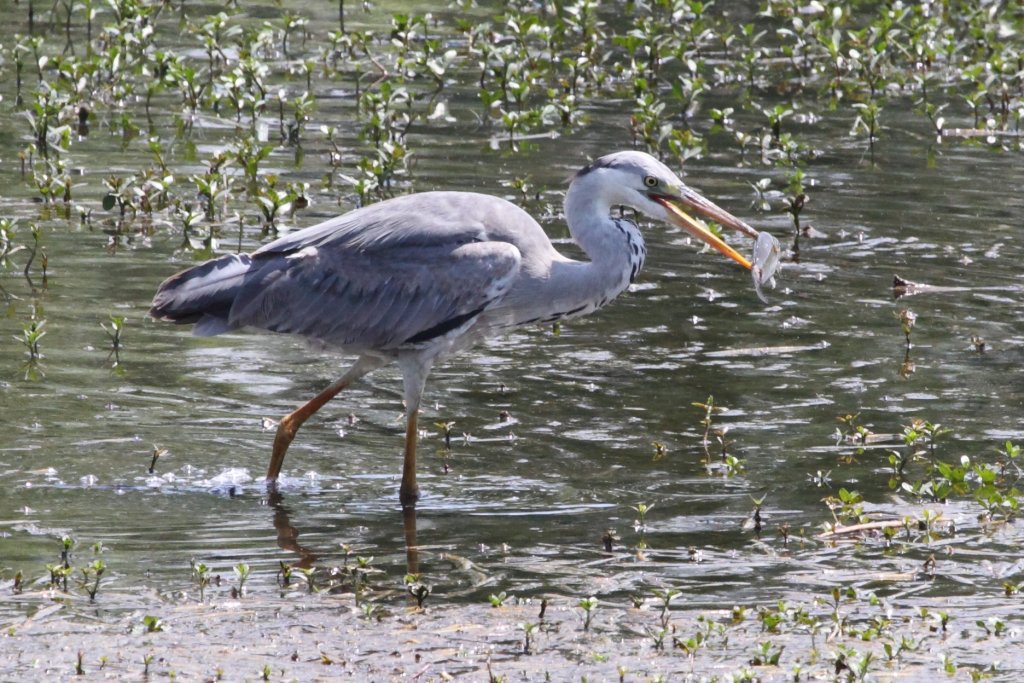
x,y
527,500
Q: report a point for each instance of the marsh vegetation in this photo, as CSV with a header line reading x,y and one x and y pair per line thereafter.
x,y
693,485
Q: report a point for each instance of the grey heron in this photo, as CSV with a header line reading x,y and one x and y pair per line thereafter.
x,y
416,278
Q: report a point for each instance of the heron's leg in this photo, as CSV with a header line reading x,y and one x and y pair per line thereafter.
x,y
290,423
414,377
409,492
412,550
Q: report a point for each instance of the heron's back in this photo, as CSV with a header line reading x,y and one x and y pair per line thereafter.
x,y
400,272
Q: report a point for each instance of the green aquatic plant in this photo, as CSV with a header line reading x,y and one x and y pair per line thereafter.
x,y
660,451
732,465
242,573
309,575
371,611
846,507
32,336
527,628
90,581
36,249
201,576
213,188
641,510
589,606
274,201
8,246
190,220
115,332
59,574
766,653
121,194
284,574
851,430
922,431
707,422
446,432
666,597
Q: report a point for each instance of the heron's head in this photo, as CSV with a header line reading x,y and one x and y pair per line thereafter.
x,y
640,181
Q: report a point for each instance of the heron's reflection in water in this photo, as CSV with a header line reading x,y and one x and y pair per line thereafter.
x,y
288,534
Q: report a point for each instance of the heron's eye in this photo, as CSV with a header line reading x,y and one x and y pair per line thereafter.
x,y
650,181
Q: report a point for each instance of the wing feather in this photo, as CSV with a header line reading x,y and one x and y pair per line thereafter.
x,y
374,299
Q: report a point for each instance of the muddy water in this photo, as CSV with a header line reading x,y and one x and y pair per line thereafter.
x,y
520,505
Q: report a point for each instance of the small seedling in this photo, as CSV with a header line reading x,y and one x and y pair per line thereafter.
x,y
527,629
660,450
31,336
666,596
115,331
309,574
709,408
658,636
67,544
993,626
242,572
755,521
766,654
372,611
59,576
641,510
201,575
589,605
153,624
497,600
284,574
907,320
446,431
90,580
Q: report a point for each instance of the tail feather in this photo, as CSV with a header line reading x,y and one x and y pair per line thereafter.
x,y
202,295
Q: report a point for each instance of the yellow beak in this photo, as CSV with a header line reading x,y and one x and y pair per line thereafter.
x,y
698,204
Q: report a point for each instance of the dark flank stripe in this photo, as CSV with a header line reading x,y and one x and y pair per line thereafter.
x,y
444,327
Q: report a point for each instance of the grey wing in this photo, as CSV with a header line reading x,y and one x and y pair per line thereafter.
x,y
378,299
424,220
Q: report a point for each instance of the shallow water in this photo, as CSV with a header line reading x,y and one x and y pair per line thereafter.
x,y
526,501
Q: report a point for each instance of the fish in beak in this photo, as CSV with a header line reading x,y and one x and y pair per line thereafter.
x,y
767,251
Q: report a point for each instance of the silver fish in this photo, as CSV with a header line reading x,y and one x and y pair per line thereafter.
x,y
766,260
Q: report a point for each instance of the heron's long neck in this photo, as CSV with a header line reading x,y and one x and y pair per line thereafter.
x,y
614,245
